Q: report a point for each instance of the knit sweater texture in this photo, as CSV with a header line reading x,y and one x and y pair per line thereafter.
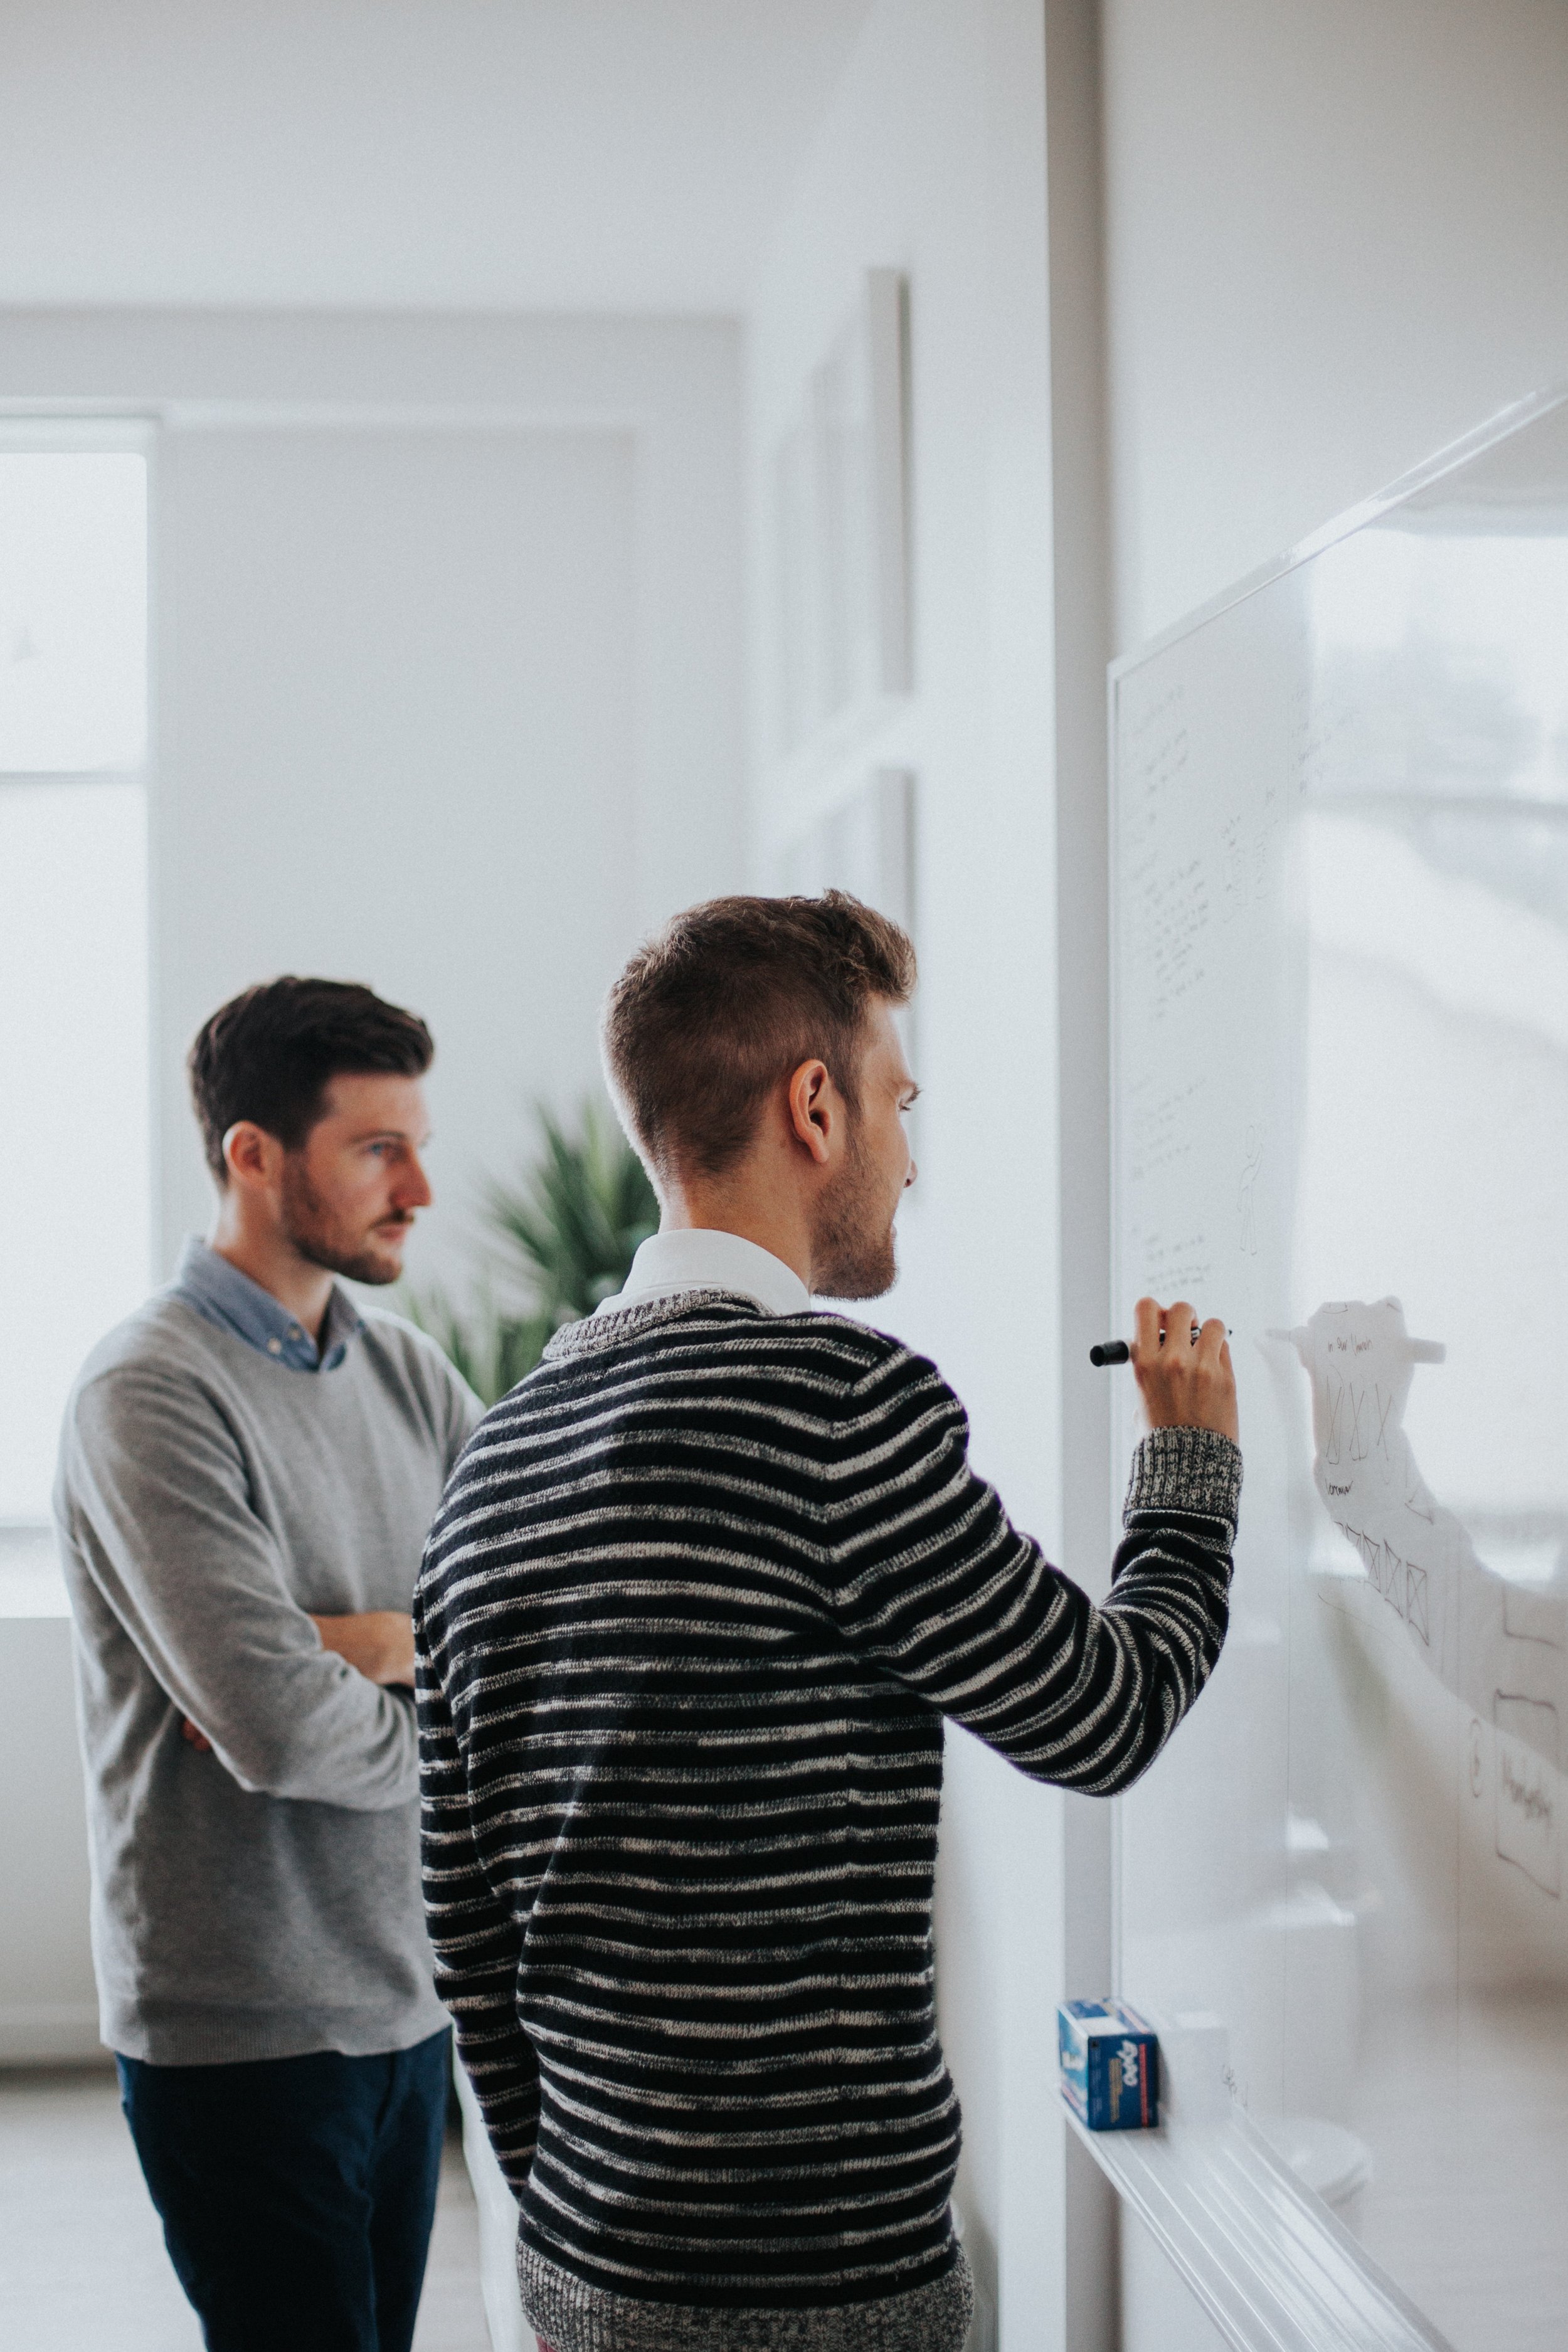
x,y
700,1594
261,1900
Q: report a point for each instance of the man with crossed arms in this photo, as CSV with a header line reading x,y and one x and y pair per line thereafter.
x,y
247,1470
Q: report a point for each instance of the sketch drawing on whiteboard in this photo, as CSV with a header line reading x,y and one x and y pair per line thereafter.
x,y
1458,1617
1247,1199
1232,868
1527,1784
1361,1361
1533,1616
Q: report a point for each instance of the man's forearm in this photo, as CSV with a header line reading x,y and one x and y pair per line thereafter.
x,y
377,1643
161,1516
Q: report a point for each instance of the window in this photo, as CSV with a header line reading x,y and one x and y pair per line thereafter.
x,y
73,610
75,1173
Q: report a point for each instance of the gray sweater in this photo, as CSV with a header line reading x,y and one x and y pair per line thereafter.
x,y
262,1900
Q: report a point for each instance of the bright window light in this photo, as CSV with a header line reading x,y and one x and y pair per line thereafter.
x,y
73,610
75,1191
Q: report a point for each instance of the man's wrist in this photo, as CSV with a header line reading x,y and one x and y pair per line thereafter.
x,y
1185,1468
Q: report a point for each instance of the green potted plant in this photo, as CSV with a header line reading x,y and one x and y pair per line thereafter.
x,y
557,1240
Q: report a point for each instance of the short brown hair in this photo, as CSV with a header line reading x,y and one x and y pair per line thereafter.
x,y
730,998
269,1055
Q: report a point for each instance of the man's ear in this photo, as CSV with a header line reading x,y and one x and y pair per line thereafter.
x,y
814,1109
250,1154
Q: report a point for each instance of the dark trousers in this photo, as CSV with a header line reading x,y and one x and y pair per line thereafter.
x,y
296,2194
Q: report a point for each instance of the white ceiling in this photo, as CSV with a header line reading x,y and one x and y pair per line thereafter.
x,y
556,154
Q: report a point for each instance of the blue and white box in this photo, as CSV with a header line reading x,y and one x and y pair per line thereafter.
x,y
1111,2065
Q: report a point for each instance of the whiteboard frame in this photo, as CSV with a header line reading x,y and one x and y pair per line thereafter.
x,y
1499,426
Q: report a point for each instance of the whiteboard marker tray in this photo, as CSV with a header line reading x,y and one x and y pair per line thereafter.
x,y
1273,2268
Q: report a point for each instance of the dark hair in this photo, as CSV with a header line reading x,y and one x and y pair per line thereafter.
x,y
269,1055
729,999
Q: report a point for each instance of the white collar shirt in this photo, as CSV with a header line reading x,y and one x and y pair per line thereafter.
x,y
703,1259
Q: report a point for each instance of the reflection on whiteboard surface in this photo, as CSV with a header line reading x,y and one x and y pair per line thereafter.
x,y
1359,1360
1341,1112
1464,1621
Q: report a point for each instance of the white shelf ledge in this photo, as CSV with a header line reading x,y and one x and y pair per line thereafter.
x,y
1270,2264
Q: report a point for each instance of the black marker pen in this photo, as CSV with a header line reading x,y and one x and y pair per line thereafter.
x,y
1116,1352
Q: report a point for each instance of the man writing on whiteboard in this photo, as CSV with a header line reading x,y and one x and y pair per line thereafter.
x,y
701,1595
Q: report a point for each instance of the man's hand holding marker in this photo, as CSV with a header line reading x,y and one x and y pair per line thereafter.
x,y
1182,1388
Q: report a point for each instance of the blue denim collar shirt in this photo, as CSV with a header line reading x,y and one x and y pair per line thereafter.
x,y
221,1294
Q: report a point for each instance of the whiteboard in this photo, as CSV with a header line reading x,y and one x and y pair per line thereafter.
x,y
1340,880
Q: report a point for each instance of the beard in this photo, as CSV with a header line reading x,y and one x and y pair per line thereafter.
x,y
308,1226
853,1254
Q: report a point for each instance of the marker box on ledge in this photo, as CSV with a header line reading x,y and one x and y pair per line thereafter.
x,y
1111,2065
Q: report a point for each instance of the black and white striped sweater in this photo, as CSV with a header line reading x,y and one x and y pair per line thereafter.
x,y
702,1590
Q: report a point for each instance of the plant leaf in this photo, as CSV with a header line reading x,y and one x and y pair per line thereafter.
x,y
566,1230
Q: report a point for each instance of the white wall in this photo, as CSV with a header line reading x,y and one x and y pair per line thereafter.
x,y
448,673
932,160
49,2003
1337,237
397,744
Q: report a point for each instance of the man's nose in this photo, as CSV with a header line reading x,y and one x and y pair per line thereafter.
x,y
414,1186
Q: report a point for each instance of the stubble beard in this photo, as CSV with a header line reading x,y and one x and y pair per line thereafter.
x,y
853,1252
307,1227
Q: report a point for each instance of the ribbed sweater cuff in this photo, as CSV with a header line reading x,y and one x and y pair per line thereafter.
x,y
572,2316
1185,1470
